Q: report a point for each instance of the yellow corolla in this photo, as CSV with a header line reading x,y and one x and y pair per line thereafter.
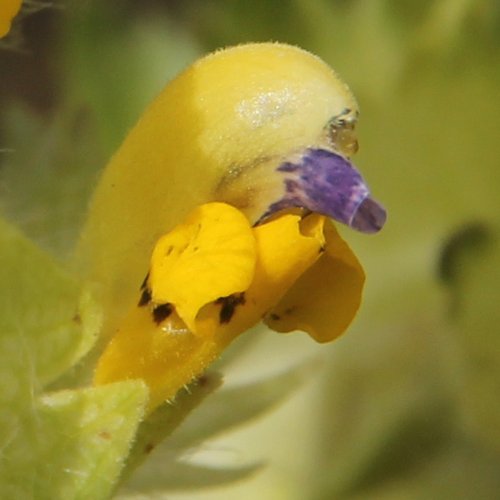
x,y
216,195
214,276
8,10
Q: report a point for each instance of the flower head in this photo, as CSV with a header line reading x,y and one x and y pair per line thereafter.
x,y
221,196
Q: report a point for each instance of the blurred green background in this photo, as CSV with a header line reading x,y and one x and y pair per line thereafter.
x,y
406,405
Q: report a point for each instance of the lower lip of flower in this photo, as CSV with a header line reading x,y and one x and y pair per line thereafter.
x,y
168,344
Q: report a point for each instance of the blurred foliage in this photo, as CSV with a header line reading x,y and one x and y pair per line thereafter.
x,y
407,405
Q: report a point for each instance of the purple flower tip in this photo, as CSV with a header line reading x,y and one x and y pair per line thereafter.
x,y
369,217
325,182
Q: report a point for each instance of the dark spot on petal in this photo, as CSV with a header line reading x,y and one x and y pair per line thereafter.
x,y
148,448
145,297
170,249
321,249
162,312
203,380
105,435
77,319
274,317
145,282
229,305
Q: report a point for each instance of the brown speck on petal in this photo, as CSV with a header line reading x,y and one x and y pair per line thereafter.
x,y
229,305
145,297
162,312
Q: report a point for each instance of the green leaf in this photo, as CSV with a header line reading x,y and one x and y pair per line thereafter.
x,y
69,444
46,322
72,444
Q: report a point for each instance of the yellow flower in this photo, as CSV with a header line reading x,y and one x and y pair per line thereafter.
x,y
214,276
249,147
8,10
216,132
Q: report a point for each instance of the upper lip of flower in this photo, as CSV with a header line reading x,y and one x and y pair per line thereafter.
x,y
314,179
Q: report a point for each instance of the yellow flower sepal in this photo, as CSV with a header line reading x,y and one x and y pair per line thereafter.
x,y
166,358
165,353
8,10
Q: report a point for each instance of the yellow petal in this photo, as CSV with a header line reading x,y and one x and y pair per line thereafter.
x,y
325,299
211,255
286,248
8,10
